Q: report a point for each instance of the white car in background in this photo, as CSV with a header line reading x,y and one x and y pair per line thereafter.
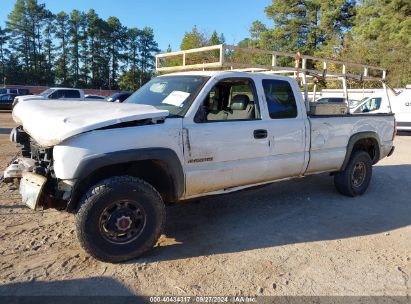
x,y
400,105
58,94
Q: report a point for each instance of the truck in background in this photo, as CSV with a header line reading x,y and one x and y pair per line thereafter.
x,y
56,94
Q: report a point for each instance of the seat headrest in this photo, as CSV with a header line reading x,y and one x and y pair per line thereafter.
x,y
239,102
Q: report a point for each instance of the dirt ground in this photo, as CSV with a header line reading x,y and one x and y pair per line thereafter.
x,y
289,238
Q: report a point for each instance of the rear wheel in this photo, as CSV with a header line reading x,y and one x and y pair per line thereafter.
x,y
355,178
119,219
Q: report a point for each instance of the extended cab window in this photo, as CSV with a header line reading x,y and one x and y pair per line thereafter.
x,y
229,99
280,98
70,94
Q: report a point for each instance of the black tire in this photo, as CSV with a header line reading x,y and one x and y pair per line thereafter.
x,y
356,177
119,219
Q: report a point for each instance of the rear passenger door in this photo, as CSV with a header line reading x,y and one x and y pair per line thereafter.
x,y
226,143
286,126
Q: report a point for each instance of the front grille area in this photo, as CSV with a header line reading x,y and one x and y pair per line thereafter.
x,y
43,155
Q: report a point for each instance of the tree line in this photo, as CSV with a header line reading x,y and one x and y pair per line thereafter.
x,y
76,49
80,49
375,32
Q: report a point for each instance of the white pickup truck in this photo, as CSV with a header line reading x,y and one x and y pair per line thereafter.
x,y
56,94
182,136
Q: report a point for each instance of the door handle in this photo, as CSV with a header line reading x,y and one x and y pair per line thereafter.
x,y
260,133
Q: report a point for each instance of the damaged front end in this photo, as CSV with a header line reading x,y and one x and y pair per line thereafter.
x,y
33,173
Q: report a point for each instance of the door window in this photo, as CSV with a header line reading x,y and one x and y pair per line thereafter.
x,y
280,99
55,95
230,99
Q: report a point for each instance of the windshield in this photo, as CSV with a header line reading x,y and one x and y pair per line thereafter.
x,y
172,93
46,92
370,105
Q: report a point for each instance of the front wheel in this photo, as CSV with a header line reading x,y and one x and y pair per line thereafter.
x,y
119,219
355,178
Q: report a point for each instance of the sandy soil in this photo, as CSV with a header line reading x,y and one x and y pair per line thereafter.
x,y
290,238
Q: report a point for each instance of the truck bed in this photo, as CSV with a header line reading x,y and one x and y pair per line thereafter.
x,y
330,135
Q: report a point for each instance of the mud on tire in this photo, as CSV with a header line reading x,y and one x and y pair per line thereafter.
x,y
119,219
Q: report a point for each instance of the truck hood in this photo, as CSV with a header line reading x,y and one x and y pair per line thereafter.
x,y
50,122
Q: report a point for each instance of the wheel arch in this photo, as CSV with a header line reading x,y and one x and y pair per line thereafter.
x,y
365,141
160,167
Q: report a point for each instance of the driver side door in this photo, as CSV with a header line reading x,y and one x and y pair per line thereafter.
x,y
228,147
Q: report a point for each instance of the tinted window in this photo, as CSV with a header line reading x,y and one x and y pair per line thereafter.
x,y
3,91
13,91
70,94
23,91
7,97
55,95
123,97
94,97
332,99
280,98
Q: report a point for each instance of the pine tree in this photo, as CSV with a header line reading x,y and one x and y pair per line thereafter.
x,y
193,39
117,36
4,37
304,25
62,34
76,22
26,24
382,36
148,48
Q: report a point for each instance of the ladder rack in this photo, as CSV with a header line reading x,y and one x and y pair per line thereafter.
x,y
306,69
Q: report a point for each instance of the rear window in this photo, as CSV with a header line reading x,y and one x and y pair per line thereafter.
x,y
280,99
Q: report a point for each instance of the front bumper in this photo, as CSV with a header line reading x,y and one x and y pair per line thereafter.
x,y
31,189
17,167
38,190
